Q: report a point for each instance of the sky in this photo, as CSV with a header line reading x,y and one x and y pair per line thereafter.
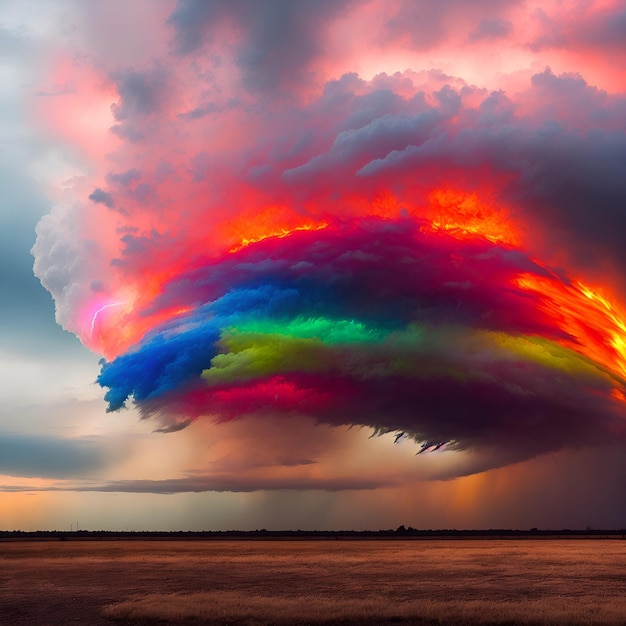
x,y
295,264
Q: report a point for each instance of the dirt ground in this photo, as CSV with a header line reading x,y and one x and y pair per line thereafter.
x,y
65,582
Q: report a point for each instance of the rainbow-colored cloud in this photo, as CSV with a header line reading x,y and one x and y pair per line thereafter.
x,y
420,251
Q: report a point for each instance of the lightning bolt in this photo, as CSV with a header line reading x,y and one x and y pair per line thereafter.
x,y
106,306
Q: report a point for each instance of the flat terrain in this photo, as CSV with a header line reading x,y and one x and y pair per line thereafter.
x,y
528,581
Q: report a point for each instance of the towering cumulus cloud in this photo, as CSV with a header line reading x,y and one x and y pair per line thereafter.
x,y
417,230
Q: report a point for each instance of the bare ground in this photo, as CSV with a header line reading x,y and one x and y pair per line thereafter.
x,y
312,582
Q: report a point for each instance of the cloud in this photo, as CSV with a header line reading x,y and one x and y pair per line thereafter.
x,y
50,457
567,168
383,329
592,27
141,92
424,25
493,28
275,43
142,95
411,253
98,195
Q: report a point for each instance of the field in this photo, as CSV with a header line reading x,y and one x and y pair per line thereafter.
x,y
574,581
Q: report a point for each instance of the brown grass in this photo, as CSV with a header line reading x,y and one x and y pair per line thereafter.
x,y
232,607
287,582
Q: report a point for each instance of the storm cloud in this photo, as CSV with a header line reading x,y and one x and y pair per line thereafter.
x,y
278,234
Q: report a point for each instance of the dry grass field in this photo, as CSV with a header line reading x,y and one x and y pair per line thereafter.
x,y
574,581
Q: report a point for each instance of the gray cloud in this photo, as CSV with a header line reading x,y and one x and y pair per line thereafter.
x,y
568,178
602,29
143,94
49,457
102,197
27,312
360,145
491,28
125,179
278,38
425,24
